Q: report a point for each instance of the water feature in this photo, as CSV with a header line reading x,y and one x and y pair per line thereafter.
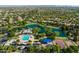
x,y
46,40
42,29
58,31
61,33
25,37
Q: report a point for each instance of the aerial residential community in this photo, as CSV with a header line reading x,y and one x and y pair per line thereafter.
x,y
39,29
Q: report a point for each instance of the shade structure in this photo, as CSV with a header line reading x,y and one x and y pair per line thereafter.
x,y
46,40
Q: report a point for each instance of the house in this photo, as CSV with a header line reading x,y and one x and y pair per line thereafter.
x,y
9,42
28,31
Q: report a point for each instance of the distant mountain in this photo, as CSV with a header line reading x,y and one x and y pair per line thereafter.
x,y
37,6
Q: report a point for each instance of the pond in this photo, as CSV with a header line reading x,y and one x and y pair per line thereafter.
x,y
58,31
42,29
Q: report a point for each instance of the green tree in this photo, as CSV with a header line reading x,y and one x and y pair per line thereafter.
x,y
36,31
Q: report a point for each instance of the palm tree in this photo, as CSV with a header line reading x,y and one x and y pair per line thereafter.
x,y
36,31
58,48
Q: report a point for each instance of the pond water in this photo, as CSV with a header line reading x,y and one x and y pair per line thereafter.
x,y
61,33
58,31
42,29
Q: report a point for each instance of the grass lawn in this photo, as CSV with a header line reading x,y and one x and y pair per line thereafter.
x,y
63,38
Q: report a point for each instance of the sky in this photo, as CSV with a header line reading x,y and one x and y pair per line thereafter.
x,y
40,2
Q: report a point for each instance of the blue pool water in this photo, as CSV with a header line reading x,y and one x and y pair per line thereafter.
x,y
46,40
25,37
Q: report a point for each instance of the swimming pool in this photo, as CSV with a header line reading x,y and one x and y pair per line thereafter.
x,y
46,40
25,37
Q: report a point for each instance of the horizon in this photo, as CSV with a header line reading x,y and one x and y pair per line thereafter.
x,y
38,6
40,2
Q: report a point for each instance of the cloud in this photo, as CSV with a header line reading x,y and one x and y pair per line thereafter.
x,y
39,2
